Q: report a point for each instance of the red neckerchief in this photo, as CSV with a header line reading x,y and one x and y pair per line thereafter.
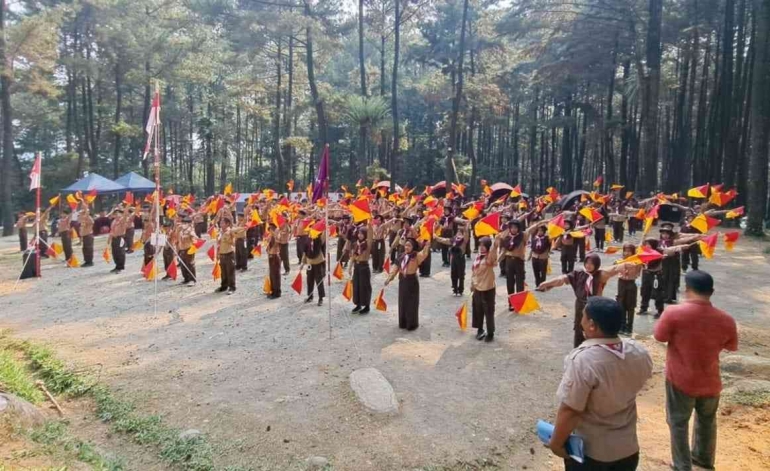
x,y
479,258
616,349
405,262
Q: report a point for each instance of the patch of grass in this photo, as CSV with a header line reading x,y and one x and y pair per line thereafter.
x,y
56,440
15,379
57,377
750,398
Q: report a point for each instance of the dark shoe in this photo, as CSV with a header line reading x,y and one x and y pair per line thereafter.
x,y
87,265
365,310
480,334
221,289
309,299
489,338
165,278
356,309
276,296
657,315
114,270
320,301
642,312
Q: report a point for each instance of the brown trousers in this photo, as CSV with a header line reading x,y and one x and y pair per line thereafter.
x,y
483,307
579,338
285,257
627,299
540,268
274,265
241,254
187,265
315,278
129,238
362,284
227,264
408,302
514,274
88,248
23,239
66,243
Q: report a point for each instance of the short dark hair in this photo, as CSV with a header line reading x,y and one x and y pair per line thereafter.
x,y
699,282
606,313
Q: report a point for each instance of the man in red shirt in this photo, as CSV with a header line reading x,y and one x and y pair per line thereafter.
x,y
696,333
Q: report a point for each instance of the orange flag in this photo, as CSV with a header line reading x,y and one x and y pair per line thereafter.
x,y
91,196
72,202
212,253
195,246
462,316
106,255
703,223
523,302
735,213
347,293
643,256
137,245
171,271
217,271
338,273
488,225
598,182
257,251
556,226
290,185
591,214
611,250
73,262
380,303
386,266
267,287
57,249
297,284
148,271
699,191
730,239
360,211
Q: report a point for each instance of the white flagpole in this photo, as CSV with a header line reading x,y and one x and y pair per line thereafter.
x,y
328,263
157,197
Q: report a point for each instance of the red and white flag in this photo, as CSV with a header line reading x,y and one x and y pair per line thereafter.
x,y
34,175
152,121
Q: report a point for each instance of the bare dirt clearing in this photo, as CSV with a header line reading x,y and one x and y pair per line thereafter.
x,y
263,381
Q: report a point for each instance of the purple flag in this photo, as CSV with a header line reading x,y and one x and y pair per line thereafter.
x,y
321,184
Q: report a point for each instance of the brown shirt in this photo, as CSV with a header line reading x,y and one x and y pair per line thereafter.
x,y
483,272
227,239
284,234
86,224
185,236
602,378
64,224
118,226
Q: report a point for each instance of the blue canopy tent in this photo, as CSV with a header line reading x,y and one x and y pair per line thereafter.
x,y
136,183
96,182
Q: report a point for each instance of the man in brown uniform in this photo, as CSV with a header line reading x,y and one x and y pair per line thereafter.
x,y
87,235
185,236
227,241
117,240
129,235
64,233
314,258
284,235
274,262
168,249
21,225
483,288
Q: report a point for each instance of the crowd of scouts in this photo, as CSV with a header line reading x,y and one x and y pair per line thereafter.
x,y
393,236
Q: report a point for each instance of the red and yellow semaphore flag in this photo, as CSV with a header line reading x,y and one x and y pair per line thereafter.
x,y
730,239
257,251
360,211
55,200
148,271
555,228
296,285
195,246
73,262
171,271
643,256
516,192
523,302
708,245
212,253
267,287
703,223
347,292
611,250
106,255
462,316
720,199
591,214
379,302
488,225
473,210
386,266
216,272
338,272
735,213
699,191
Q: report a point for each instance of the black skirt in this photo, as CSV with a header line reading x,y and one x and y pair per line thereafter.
x,y
362,284
408,302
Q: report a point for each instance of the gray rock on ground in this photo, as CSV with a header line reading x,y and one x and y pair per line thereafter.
x,y
190,434
317,462
374,391
746,365
20,411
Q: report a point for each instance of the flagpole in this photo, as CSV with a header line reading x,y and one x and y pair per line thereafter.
x,y
328,260
37,220
157,196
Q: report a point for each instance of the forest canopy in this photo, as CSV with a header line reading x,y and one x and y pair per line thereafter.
x,y
654,96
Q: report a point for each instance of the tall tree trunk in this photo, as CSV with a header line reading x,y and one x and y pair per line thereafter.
x,y
726,95
146,113
287,111
675,178
280,175
449,173
362,130
118,106
515,169
323,138
383,136
238,146
649,165
699,153
209,137
567,181
626,130
608,151
760,120
394,94
6,80
533,140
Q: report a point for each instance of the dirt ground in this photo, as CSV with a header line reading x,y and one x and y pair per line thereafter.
x,y
265,382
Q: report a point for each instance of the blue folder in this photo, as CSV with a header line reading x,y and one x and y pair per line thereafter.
x,y
574,443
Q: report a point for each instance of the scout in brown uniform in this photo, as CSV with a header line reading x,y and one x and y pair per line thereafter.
x,y
185,236
168,248
342,231
585,283
379,231
21,225
540,250
284,235
568,249
600,229
43,232
64,233
87,235
408,285
618,218
241,253
274,262
362,275
116,239
483,288
514,246
129,234
314,258
148,229
457,247
227,240
300,234
627,290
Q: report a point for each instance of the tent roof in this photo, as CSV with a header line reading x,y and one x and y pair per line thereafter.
x,y
135,182
96,182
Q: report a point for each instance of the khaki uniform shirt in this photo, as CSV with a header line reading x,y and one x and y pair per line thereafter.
x,y
284,234
273,247
64,225
118,226
86,223
185,236
227,239
483,272
601,380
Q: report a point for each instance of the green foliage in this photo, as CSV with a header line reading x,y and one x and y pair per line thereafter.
x,y
369,112
15,379
57,441
59,379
